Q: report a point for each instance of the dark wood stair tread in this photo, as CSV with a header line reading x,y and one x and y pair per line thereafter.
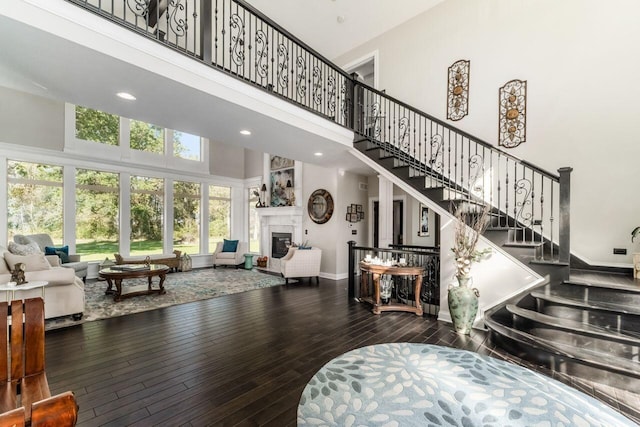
x,y
574,326
579,354
591,305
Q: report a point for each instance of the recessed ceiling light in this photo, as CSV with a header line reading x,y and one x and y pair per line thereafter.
x,y
245,132
126,95
340,19
317,154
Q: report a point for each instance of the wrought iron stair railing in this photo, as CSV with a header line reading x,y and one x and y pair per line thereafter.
x,y
237,39
527,201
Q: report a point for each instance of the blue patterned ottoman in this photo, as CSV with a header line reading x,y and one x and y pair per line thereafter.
x,y
420,385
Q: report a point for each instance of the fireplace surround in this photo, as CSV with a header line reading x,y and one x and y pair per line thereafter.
x,y
285,219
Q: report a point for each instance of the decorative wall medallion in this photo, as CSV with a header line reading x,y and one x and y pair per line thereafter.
x,y
512,125
320,206
458,90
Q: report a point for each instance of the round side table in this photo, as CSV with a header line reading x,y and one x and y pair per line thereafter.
x,y
248,261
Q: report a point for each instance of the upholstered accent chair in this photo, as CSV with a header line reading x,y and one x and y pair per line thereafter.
x,y
301,263
44,241
229,253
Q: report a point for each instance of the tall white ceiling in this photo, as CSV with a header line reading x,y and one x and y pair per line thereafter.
x,y
315,22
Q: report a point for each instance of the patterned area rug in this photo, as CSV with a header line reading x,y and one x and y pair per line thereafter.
x,y
403,384
184,287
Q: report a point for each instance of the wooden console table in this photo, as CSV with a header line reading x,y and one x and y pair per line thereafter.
x,y
377,271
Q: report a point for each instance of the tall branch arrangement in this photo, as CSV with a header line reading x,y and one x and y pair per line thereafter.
x,y
469,227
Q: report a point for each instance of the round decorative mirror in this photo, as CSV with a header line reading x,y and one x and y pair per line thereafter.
x,y
320,206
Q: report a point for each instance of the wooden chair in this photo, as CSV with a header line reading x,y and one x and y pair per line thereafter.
x,y
24,391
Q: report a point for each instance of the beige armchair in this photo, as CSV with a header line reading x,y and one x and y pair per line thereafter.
x,y
221,257
301,263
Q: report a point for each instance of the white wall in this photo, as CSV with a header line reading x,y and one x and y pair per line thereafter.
x,y
31,120
333,235
582,105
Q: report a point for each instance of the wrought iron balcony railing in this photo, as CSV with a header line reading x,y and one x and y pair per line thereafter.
x,y
232,36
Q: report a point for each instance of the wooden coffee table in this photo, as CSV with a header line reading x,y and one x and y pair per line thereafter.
x,y
117,274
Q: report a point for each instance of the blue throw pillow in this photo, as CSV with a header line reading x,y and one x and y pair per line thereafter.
x,y
230,245
62,252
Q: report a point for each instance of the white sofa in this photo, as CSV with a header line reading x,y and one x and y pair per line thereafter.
x,y
44,240
229,258
301,263
64,293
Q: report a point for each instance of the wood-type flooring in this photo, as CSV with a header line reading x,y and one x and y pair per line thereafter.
x,y
239,360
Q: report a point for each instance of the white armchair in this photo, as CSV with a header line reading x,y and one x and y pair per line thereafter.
x,y
301,263
236,258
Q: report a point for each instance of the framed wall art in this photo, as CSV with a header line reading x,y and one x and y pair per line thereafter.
x,y
423,231
512,107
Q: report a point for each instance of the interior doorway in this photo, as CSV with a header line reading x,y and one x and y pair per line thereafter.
x,y
398,222
366,69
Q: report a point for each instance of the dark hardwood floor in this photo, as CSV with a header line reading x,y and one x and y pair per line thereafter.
x,y
240,359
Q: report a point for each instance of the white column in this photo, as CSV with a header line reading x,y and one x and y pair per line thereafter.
x,y
125,214
69,208
168,215
204,218
385,212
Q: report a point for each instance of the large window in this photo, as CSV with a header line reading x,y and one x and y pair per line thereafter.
x,y
254,221
146,137
34,199
147,206
97,126
187,146
97,214
186,216
219,215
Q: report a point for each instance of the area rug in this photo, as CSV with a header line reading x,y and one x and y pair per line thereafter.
x,y
406,384
194,285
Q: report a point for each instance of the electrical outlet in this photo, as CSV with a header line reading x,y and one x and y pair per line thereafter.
x,y
619,251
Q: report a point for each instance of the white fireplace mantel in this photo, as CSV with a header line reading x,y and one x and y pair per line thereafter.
x,y
283,219
281,211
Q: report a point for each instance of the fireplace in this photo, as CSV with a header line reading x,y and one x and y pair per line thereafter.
x,y
280,244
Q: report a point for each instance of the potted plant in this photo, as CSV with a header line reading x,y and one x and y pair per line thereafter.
x,y
463,299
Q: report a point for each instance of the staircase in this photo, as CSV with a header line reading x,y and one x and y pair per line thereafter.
x,y
582,329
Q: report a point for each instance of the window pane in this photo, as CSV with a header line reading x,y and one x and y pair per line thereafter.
x,y
186,216
147,206
146,137
254,221
219,215
97,219
94,125
34,200
186,146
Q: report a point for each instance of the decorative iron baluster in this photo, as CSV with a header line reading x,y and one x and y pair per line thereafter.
x,y
236,49
331,94
283,66
435,162
375,115
344,108
522,188
317,85
476,174
177,24
403,132
139,8
262,54
301,67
